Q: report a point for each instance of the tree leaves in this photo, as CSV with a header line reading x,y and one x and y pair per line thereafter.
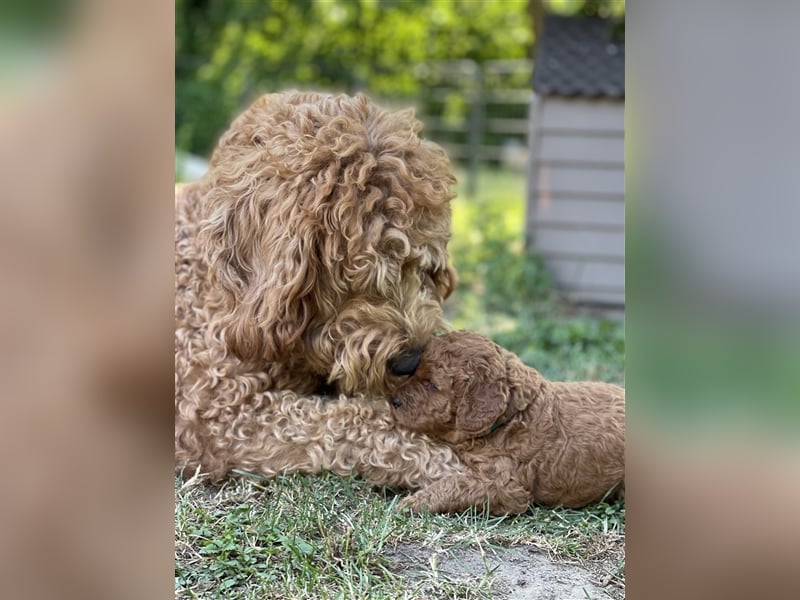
x,y
227,51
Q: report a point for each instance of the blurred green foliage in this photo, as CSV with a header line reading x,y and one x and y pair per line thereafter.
x,y
227,51
506,293
36,18
600,8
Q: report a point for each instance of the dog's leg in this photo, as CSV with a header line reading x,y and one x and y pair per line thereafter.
x,y
273,433
458,493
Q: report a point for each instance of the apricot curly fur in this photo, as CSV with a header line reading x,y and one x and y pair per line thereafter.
x,y
312,253
523,439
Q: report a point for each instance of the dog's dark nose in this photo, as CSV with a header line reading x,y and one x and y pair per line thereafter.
x,y
395,401
405,364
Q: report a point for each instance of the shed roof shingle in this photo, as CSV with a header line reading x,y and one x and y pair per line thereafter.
x,y
576,57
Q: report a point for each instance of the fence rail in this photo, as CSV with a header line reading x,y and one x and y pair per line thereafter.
x,y
477,112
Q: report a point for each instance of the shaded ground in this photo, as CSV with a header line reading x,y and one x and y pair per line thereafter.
x,y
523,573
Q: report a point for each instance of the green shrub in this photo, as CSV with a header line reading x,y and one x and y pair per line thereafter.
x,y
506,293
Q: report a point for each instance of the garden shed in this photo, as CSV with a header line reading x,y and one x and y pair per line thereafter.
x,y
576,188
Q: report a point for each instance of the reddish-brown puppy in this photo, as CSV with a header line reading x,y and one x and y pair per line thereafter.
x,y
522,438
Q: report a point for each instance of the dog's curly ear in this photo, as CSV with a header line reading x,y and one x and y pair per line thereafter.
x,y
266,270
445,281
483,401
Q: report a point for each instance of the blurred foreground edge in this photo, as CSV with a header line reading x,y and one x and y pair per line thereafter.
x,y
86,148
713,286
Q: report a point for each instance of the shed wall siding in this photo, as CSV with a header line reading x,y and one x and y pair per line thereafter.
x,y
572,209
558,241
581,180
576,206
560,147
583,114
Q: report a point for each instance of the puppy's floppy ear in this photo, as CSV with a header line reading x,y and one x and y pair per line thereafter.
x,y
524,382
266,268
483,401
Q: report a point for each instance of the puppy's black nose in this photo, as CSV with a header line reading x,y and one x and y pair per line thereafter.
x,y
406,363
395,401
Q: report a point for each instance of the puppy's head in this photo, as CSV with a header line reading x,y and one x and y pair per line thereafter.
x,y
326,225
464,386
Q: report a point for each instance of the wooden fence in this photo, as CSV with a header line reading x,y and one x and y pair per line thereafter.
x,y
477,112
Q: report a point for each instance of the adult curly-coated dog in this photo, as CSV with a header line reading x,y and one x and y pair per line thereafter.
x,y
522,438
311,266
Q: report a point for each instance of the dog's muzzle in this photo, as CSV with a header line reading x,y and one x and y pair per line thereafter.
x,y
405,364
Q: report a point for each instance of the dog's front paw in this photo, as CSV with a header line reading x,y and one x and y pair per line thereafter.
x,y
412,504
444,496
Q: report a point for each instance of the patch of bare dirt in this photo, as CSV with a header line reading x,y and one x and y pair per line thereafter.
x,y
521,573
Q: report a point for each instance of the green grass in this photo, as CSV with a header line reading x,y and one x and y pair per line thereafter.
x,y
338,537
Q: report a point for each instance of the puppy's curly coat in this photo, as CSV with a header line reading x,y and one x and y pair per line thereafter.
x,y
311,265
522,438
